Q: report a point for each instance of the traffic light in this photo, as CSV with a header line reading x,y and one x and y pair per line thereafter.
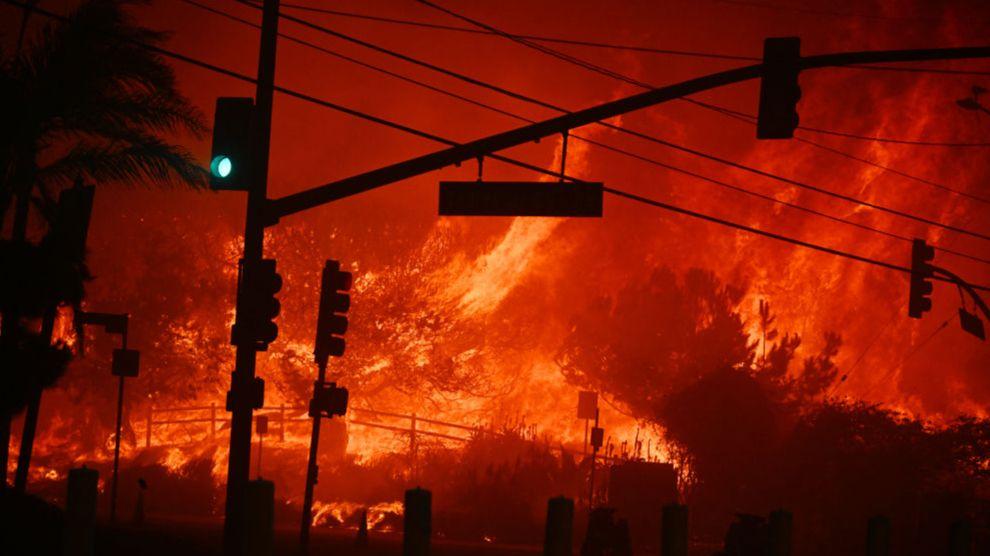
x,y
779,89
331,324
921,274
328,400
229,168
259,284
253,393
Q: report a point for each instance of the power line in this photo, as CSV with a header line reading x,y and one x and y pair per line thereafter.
x,y
626,79
299,95
812,11
501,90
777,201
345,57
895,141
526,98
895,171
911,352
937,71
610,190
765,233
609,147
599,44
751,120
695,152
558,40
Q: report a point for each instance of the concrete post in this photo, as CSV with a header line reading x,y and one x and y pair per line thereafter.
x,y
878,536
560,527
961,538
674,531
417,523
259,518
780,532
80,512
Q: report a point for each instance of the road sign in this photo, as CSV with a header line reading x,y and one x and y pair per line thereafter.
x,y
972,324
474,198
125,362
587,405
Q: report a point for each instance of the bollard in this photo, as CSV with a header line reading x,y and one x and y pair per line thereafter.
x,y
961,538
361,541
560,527
416,523
878,536
779,533
80,512
259,517
674,531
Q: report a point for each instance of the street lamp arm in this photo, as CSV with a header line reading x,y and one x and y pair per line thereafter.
x,y
319,195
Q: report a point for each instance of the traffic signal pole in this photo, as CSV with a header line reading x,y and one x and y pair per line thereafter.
x,y
312,469
488,146
240,401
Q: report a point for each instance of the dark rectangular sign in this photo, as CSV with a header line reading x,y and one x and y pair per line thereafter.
x,y
972,324
125,362
510,198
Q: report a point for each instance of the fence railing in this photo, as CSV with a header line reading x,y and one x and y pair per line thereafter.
x,y
216,420
411,425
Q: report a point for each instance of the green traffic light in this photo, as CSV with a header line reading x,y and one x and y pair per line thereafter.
x,y
221,166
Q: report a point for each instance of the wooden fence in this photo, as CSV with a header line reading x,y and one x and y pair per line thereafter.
x,y
215,419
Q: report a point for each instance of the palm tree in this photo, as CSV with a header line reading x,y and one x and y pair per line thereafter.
x,y
86,99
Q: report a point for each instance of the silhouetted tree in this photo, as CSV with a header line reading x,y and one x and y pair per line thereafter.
x,y
656,337
83,100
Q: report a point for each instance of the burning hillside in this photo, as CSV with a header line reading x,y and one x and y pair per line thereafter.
x,y
769,374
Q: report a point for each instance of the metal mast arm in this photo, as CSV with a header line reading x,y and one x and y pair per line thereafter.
x,y
298,202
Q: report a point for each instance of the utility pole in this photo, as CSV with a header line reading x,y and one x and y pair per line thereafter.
x,y
242,397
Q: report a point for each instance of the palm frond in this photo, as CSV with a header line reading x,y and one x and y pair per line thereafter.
x,y
85,89
144,159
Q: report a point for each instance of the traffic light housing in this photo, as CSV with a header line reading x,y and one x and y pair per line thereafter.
x,y
259,282
331,324
231,152
252,392
922,271
779,89
328,400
